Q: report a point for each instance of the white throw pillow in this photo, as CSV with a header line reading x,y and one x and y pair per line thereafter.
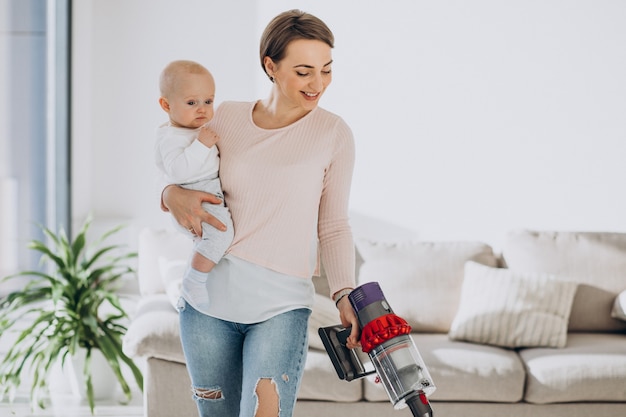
x,y
421,280
619,307
512,309
153,244
172,271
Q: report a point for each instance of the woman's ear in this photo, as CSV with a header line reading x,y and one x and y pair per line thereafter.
x,y
165,105
270,67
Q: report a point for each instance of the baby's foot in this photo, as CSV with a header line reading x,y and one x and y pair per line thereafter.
x,y
194,284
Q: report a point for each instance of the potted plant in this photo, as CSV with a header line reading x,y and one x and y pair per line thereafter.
x,y
71,305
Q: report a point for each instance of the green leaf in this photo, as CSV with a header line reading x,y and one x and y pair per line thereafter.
x,y
63,306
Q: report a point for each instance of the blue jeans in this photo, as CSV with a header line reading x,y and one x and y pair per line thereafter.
x,y
226,360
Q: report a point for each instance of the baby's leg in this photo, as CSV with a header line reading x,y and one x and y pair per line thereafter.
x,y
200,263
197,274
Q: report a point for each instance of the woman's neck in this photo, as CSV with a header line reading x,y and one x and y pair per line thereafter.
x,y
270,113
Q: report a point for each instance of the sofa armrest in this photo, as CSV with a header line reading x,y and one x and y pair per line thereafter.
x,y
154,331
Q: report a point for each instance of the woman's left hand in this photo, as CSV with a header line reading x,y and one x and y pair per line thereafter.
x,y
348,319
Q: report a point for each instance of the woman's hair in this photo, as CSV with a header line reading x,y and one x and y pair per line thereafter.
x,y
290,26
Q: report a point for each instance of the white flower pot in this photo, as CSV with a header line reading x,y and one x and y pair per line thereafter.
x,y
102,376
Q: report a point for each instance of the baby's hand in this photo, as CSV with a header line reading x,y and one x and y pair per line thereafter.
x,y
207,136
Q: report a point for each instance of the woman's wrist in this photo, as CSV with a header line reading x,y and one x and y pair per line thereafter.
x,y
163,192
340,294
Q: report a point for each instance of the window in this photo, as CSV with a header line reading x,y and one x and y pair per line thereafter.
x,y
34,126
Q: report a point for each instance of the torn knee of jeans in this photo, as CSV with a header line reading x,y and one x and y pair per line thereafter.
x,y
207,394
271,400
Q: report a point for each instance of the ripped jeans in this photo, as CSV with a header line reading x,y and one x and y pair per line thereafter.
x,y
227,360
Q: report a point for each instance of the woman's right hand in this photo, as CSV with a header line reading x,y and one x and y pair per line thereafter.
x,y
348,318
186,207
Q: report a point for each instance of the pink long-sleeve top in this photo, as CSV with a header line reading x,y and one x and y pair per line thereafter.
x,y
287,189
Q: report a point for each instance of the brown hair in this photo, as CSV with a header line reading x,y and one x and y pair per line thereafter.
x,y
290,26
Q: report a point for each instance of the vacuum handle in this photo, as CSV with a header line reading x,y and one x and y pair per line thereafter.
x,y
346,361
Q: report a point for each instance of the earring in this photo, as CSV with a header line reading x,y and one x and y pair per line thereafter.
x,y
271,78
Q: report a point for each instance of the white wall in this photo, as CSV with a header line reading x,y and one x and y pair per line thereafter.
x,y
471,117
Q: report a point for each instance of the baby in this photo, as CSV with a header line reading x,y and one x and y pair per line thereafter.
x,y
186,155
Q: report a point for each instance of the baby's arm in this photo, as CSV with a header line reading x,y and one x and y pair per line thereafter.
x,y
181,160
207,136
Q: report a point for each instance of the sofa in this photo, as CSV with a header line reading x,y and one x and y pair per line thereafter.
x,y
536,328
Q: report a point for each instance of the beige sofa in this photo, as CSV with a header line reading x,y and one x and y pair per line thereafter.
x,y
537,330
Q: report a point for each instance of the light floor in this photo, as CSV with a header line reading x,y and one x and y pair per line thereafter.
x,y
65,401
68,406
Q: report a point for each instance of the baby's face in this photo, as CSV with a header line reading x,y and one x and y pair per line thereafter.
x,y
191,104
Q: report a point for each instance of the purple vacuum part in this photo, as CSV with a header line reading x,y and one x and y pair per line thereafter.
x,y
364,295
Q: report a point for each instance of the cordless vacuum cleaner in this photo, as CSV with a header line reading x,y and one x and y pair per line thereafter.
x,y
385,339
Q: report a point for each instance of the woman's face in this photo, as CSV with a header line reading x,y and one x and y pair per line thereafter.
x,y
302,76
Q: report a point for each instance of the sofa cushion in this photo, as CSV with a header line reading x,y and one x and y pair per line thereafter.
x,y
421,280
619,307
320,381
507,308
155,245
323,314
591,368
464,371
596,260
321,282
171,272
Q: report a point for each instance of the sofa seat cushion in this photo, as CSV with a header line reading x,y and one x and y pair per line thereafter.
x,y
320,381
154,331
464,371
592,367
323,314
597,261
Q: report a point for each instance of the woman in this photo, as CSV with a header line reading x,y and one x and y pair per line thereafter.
x,y
286,169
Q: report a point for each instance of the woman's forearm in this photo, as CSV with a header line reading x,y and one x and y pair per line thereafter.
x,y
186,207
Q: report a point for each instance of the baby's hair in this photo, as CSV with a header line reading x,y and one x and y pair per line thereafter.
x,y
173,70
